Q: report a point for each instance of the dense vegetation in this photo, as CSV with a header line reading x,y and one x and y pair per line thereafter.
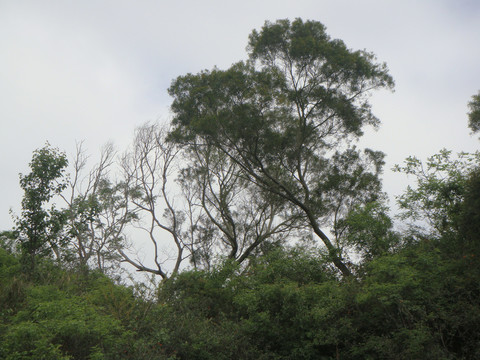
x,y
281,242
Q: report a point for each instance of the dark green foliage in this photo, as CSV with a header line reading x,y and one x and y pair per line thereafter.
x,y
407,305
368,231
66,320
474,113
39,230
435,203
12,292
66,315
418,302
233,314
469,221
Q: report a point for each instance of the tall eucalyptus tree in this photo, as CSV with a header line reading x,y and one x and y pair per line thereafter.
x,y
287,118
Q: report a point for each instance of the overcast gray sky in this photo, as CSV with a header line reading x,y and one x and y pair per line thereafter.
x,y
94,70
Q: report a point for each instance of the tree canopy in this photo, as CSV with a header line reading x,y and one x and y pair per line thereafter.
x,y
474,113
38,228
287,117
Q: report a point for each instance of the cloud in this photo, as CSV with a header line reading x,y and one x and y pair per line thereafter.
x,y
94,70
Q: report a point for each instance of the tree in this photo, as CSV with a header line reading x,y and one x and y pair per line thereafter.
x,y
367,230
434,205
147,168
232,217
287,117
474,114
39,229
8,241
469,221
97,211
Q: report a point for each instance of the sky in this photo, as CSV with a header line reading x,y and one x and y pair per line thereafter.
x,y
94,70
